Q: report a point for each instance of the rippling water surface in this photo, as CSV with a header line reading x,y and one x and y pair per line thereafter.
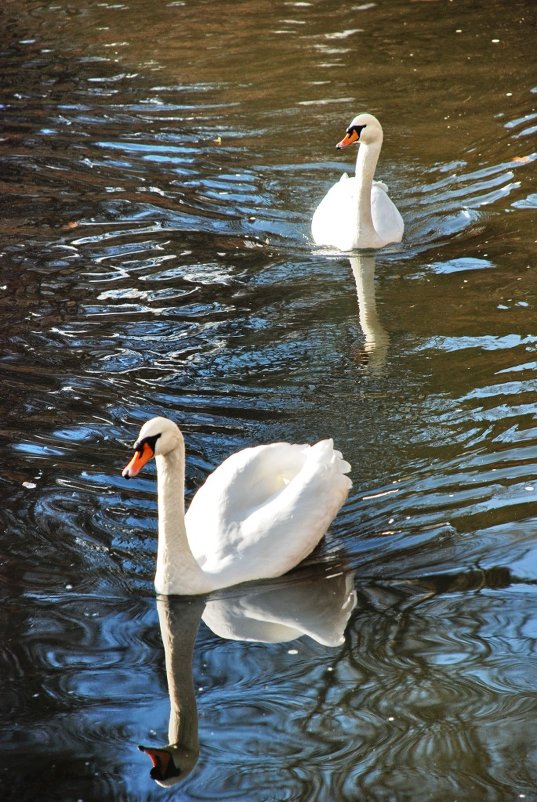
x,y
160,163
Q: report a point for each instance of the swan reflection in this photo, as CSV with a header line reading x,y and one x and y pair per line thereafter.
x,y
314,602
310,602
179,620
377,339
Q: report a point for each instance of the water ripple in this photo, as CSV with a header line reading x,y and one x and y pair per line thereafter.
x,y
160,168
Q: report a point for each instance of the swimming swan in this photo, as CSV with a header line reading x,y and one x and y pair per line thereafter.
x,y
357,212
261,512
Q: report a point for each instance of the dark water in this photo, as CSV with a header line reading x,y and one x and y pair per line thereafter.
x,y
160,163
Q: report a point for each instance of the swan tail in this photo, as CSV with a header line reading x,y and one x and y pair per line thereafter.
x,y
344,466
381,185
332,456
335,466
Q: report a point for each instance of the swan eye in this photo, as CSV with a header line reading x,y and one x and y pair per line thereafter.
x,y
150,441
356,129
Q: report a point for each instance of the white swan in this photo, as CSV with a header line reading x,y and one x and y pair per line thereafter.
x,y
357,212
257,516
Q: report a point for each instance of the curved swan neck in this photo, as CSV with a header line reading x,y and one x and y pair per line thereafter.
x,y
366,163
177,570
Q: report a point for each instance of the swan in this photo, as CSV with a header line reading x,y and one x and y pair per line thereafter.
x,y
261,512
357,212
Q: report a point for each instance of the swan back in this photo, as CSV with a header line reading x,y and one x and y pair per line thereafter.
x,y
265,509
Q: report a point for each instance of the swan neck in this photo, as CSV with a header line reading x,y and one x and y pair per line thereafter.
x,y
177,570
366,163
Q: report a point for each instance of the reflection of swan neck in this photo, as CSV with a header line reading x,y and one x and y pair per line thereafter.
x,y
363,269
177,570
366,163
179,622
178,638
376,336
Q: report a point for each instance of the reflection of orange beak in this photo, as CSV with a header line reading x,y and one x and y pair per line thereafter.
x,y
138,461
163,766
348,139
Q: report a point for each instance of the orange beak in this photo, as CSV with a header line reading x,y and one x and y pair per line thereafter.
x,y
141,456
348,139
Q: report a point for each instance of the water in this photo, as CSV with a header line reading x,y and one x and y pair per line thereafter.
x,y
160,165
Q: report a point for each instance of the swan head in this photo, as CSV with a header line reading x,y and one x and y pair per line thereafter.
x,y
363,128
157,437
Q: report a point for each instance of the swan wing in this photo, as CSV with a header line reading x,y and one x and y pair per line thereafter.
x,y
334,220
265,509
387,219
